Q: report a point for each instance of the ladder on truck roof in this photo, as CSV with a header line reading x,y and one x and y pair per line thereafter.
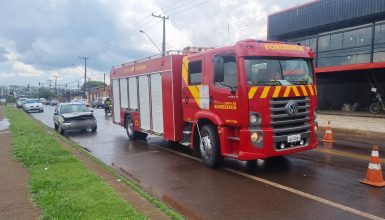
x,y
171,52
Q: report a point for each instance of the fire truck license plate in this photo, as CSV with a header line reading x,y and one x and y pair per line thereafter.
x,y
293,138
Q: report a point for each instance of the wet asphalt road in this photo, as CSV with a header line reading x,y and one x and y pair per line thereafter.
x,y
320,184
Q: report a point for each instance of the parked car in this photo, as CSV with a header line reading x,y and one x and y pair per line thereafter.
x,y
99,102
20,102
73,116
54,102
43,101
33,105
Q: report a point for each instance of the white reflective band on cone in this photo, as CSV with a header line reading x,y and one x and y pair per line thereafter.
x,y
328,131
375,153
374,166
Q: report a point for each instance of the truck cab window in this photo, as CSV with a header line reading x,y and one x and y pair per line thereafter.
x,y
225,72
195,73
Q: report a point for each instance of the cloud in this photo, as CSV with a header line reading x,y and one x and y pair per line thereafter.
x,y
3,54
7,75
47,37
26,69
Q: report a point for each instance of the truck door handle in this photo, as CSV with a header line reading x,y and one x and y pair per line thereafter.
x,y
186,99
211,100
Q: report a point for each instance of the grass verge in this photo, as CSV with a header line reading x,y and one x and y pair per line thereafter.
x,y
61,185
134,186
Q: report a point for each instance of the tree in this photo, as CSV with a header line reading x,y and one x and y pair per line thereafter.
x,y
44,93
93,84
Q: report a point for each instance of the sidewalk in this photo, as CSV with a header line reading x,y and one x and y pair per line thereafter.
x,y
15,202
357,131
353,123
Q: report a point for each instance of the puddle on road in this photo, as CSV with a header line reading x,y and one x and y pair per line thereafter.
x,y
4,124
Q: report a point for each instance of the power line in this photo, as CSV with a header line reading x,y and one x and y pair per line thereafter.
x,y
120,39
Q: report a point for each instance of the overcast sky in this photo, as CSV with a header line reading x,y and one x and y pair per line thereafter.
x,y
43,38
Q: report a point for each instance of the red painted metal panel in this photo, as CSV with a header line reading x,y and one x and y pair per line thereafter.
x,y
170,69
361,66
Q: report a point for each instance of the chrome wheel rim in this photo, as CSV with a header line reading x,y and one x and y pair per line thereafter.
x,y
130,128
206,148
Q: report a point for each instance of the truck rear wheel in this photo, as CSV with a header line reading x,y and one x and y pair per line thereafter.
x,y
131,133
209,146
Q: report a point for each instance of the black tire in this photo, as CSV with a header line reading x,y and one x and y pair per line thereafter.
x,y
56,127
209,146
375,108
94,129
60,130
131,133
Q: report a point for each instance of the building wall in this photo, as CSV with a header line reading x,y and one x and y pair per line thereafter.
x,y
318,16
343,34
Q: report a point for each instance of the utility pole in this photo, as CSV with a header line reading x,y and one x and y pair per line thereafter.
x,y
50,83
104,84
164,32
85,74
55,83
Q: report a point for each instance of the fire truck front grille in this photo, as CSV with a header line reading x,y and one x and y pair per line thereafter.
x,y
290,130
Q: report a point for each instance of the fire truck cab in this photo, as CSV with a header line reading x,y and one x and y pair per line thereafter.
x,y
253,100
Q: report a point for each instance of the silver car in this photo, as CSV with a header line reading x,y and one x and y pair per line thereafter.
x,y
73,116
33,105
20,102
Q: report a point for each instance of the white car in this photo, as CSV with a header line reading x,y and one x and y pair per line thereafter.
x,y
20,102
33,105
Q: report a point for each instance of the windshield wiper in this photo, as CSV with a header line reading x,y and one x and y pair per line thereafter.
x,y
268,83
299,82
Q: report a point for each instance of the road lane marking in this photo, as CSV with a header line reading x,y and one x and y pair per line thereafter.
x,y
344,154
288,189
307,195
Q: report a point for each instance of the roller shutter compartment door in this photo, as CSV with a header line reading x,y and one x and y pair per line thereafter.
x,y
116,100
157,103
144,107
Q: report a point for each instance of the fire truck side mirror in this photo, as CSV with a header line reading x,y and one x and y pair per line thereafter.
x,y
219,64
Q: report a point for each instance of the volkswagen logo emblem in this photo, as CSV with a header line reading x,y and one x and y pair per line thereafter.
x,y
292,108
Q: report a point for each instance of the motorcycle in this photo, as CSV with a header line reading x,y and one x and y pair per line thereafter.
x,y
107,112
378,103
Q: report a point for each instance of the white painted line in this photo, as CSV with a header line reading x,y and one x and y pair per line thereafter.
x,y
307,195
297,192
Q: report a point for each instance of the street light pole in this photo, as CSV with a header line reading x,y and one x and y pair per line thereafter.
x,y
164,32
150,40
85,74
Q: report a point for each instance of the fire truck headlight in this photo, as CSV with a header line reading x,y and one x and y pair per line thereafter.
x,y
254,119
255,136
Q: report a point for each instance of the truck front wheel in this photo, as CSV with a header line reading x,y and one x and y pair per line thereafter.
x,y
209,146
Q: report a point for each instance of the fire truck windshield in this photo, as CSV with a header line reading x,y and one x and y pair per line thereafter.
x,y
278,71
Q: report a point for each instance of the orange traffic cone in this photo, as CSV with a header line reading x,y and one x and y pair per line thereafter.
x,y
374,174
328,134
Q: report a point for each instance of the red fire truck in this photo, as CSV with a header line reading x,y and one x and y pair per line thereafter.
x,y
253,100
